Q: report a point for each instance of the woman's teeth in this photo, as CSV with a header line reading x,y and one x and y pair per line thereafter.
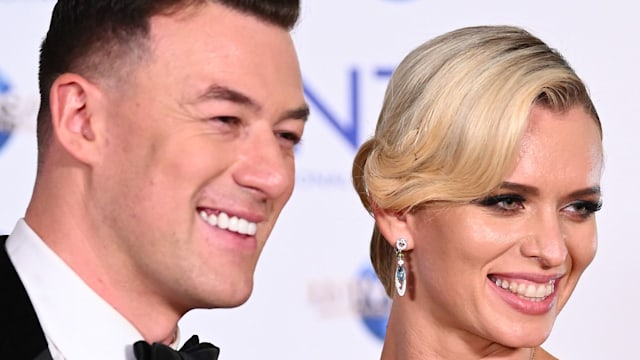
x,y
534,292
233,223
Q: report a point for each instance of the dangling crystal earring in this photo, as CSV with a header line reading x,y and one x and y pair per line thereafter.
x,y
401,271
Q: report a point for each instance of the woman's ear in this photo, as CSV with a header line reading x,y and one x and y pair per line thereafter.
x,y
73,101
393,226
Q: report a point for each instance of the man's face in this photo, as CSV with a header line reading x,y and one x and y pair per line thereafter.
x,y
200,158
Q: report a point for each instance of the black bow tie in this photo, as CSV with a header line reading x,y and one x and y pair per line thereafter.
x,y
193,349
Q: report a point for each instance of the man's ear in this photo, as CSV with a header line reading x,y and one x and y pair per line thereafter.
x,y
73,101
392,226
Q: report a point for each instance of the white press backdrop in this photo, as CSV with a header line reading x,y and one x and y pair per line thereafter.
x,y
314,296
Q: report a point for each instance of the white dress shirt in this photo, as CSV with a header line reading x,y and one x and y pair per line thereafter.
x,y
78,324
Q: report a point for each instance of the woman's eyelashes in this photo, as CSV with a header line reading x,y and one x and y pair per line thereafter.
x,y
583,209
503,202
510,203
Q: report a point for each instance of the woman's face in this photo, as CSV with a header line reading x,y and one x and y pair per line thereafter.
x,y
502,267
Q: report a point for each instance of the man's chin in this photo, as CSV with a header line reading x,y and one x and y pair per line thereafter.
x,y
234,296
237,301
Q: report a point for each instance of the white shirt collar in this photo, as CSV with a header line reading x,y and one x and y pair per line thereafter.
x,y
77,322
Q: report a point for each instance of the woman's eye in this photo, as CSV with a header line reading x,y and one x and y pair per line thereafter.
x,y
506,202
510,204
584,208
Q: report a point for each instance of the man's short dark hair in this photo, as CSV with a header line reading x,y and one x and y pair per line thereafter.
x,y
96,38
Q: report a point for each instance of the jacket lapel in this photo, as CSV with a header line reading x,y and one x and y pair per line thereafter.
x,y
21,336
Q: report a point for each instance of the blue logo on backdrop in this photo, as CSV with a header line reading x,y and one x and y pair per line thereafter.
x,y
361,297
346,125
372,302
346,122
5,120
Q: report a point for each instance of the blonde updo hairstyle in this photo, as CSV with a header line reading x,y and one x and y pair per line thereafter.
x,y
454,113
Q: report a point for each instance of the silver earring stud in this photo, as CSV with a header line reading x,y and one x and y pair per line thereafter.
x,y
401,271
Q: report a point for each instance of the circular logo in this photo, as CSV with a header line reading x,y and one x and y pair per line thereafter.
x,y
372,302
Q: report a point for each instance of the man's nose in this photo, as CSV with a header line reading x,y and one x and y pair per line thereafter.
x,y
264,165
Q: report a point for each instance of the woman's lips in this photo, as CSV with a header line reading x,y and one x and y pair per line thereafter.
x,y
524,295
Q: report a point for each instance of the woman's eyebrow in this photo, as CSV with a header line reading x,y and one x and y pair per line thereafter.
x,y
532,190
526,189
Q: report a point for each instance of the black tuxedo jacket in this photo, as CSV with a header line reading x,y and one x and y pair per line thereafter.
x,y
21,336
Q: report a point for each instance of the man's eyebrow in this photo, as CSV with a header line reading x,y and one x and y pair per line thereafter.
x,y
218,92
301,113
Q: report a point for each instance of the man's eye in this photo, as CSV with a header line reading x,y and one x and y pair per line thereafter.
x,y
289,137
231,120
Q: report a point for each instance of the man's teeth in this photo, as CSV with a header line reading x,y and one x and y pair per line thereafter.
x,y
529,291
234,223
